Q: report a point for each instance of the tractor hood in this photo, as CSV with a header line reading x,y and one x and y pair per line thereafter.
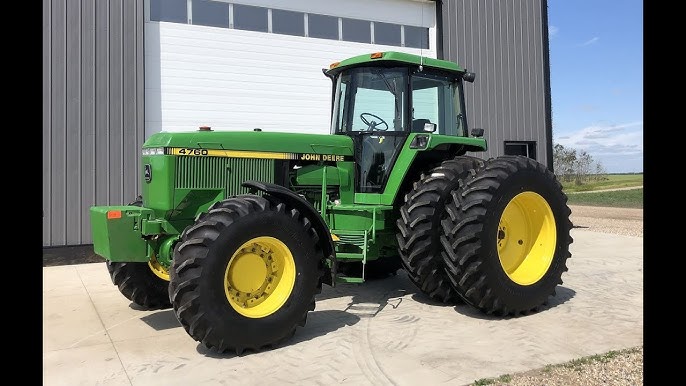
x,y
289,145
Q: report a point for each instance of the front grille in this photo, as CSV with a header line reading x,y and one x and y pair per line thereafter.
x,y
221,173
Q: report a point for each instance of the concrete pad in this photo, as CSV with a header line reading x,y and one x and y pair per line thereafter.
x,y
71,321
95,277
385,332
125,321
62,281
83,366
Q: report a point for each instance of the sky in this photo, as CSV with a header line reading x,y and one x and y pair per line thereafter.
x,y
596,79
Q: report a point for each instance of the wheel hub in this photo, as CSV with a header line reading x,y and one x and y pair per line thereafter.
x,y
259,277
252,289
158,268
526,238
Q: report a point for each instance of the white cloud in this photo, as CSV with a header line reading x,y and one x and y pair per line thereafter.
x,y
590,41
552,31
618,147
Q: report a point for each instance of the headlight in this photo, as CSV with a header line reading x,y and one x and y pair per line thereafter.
x,y
153,151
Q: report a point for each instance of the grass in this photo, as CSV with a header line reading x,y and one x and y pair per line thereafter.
x,y
578,364
609,181
489,381
619,199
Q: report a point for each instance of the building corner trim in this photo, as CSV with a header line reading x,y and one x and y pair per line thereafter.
x,y
546,85
439,29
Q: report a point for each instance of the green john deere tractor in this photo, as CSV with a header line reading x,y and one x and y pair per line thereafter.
x,y
237,231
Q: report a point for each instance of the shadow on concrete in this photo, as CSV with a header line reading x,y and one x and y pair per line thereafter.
x,y
163,320
423,298
319,323
562,295
375,287
369,304
137,307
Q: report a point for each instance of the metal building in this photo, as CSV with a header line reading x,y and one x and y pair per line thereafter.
x,y
116,71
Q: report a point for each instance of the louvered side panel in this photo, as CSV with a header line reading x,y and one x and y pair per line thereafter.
x,y
201,172
243,169
221,173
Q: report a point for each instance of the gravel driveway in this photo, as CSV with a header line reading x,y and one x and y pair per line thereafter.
x,y
619,221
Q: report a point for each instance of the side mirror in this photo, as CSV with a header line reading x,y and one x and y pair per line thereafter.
x,y
476,132
469,77
429,127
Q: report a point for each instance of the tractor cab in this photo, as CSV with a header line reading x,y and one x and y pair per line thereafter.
x,y
381,99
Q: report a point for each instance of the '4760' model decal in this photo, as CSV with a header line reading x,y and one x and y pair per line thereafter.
x,y
185,151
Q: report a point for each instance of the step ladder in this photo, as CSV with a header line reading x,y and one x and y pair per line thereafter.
x,y
358,239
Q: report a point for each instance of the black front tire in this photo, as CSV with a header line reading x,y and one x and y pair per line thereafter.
x,y
510,196
419,226
198,286
138,283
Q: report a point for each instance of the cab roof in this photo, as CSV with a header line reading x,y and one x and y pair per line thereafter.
x,y
393,57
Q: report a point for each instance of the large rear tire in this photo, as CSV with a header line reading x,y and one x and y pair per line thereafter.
x,y
506,236
245,274
419,226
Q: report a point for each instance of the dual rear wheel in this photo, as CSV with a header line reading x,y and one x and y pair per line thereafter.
x,y
503,234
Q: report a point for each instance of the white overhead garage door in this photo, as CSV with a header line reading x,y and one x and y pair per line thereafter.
x,y
239,65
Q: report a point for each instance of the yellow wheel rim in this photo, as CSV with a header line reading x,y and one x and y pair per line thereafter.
x,y
259,277
526,238
158,269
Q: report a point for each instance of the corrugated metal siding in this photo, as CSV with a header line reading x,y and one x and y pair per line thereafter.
x,y
92,111
504,43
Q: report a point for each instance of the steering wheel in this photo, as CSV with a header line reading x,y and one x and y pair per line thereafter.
x,y
372,125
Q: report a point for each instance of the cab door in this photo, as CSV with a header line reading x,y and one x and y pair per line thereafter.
x,y
371,107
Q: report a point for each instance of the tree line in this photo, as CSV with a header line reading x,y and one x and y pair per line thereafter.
x,y
575,165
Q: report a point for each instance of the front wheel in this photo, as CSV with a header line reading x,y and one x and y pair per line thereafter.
x,y
245,274
145,284
142,283
506,236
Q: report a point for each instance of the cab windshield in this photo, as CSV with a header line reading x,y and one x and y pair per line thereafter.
x,y
372,99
